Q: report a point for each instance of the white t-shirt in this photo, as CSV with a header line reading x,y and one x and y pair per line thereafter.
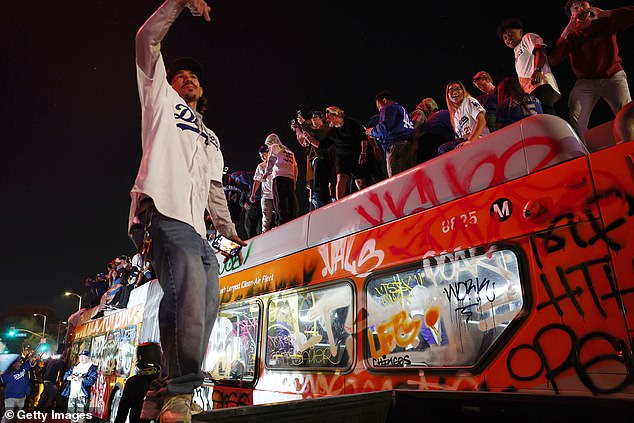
x,y
464,120
525,63
265,184
75,385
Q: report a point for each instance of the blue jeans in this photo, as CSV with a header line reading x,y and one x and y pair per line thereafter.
x,y
446,147
320,194
187,270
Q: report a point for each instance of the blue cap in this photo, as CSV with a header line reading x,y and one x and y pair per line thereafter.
x,y
85,352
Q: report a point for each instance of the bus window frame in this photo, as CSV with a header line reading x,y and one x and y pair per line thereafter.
x,y
258,347
299,290
492,351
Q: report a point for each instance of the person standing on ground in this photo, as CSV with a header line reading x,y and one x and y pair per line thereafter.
x,y
17,386
180,176
148,363
80,379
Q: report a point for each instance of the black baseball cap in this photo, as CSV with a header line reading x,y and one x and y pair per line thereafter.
x,y
187,63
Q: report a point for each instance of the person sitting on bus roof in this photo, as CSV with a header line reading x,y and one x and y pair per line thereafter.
x,y
514,103
467,117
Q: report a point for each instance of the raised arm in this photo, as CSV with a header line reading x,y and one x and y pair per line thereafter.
x,y
150,35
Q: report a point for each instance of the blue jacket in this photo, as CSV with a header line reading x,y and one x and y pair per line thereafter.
x,y
17,382
394,125
89,379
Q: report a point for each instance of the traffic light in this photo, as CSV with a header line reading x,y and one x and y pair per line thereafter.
x,y
11,333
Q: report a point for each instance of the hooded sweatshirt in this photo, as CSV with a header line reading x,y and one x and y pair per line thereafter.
x,y
281,160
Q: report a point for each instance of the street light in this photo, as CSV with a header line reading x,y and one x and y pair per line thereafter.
x,y
44,327
59,329
77,295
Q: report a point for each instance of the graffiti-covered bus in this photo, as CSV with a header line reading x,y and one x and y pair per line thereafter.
x,y
111,336
505,266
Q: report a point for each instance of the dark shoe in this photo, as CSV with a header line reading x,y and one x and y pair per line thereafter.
x,y
177,408
152,404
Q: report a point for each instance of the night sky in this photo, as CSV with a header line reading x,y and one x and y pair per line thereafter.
x,y
71,117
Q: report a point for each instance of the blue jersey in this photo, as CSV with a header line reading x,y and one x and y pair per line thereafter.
x,y
511,110
394,125
17,382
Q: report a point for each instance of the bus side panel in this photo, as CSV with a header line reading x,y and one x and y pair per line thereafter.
x,y
571,341
613,172
574,340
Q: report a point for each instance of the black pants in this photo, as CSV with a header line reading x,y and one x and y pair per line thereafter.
x,y
253,219
428,147
284,200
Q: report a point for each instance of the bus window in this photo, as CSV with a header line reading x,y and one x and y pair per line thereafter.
x,y
125,352
233,346
311,329
109,353
446,313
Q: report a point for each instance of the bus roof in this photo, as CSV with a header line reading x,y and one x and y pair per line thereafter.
x,y
528,146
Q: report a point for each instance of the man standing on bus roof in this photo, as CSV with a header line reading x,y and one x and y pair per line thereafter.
x,y
179,177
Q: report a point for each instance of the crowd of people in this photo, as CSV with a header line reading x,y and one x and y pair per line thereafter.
x,y
180,176
34,382
343,155
111,288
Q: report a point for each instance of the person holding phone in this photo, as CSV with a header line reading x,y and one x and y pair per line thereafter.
x,y
589,42
180,176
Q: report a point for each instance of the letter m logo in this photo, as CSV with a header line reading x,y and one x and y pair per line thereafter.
x,y
501,209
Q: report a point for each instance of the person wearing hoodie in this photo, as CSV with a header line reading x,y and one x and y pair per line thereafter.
x,y
281,167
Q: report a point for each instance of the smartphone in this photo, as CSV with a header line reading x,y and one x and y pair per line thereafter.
x,y
226,245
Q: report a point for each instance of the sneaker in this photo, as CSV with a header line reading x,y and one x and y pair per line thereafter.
x,y
177,408
152,404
